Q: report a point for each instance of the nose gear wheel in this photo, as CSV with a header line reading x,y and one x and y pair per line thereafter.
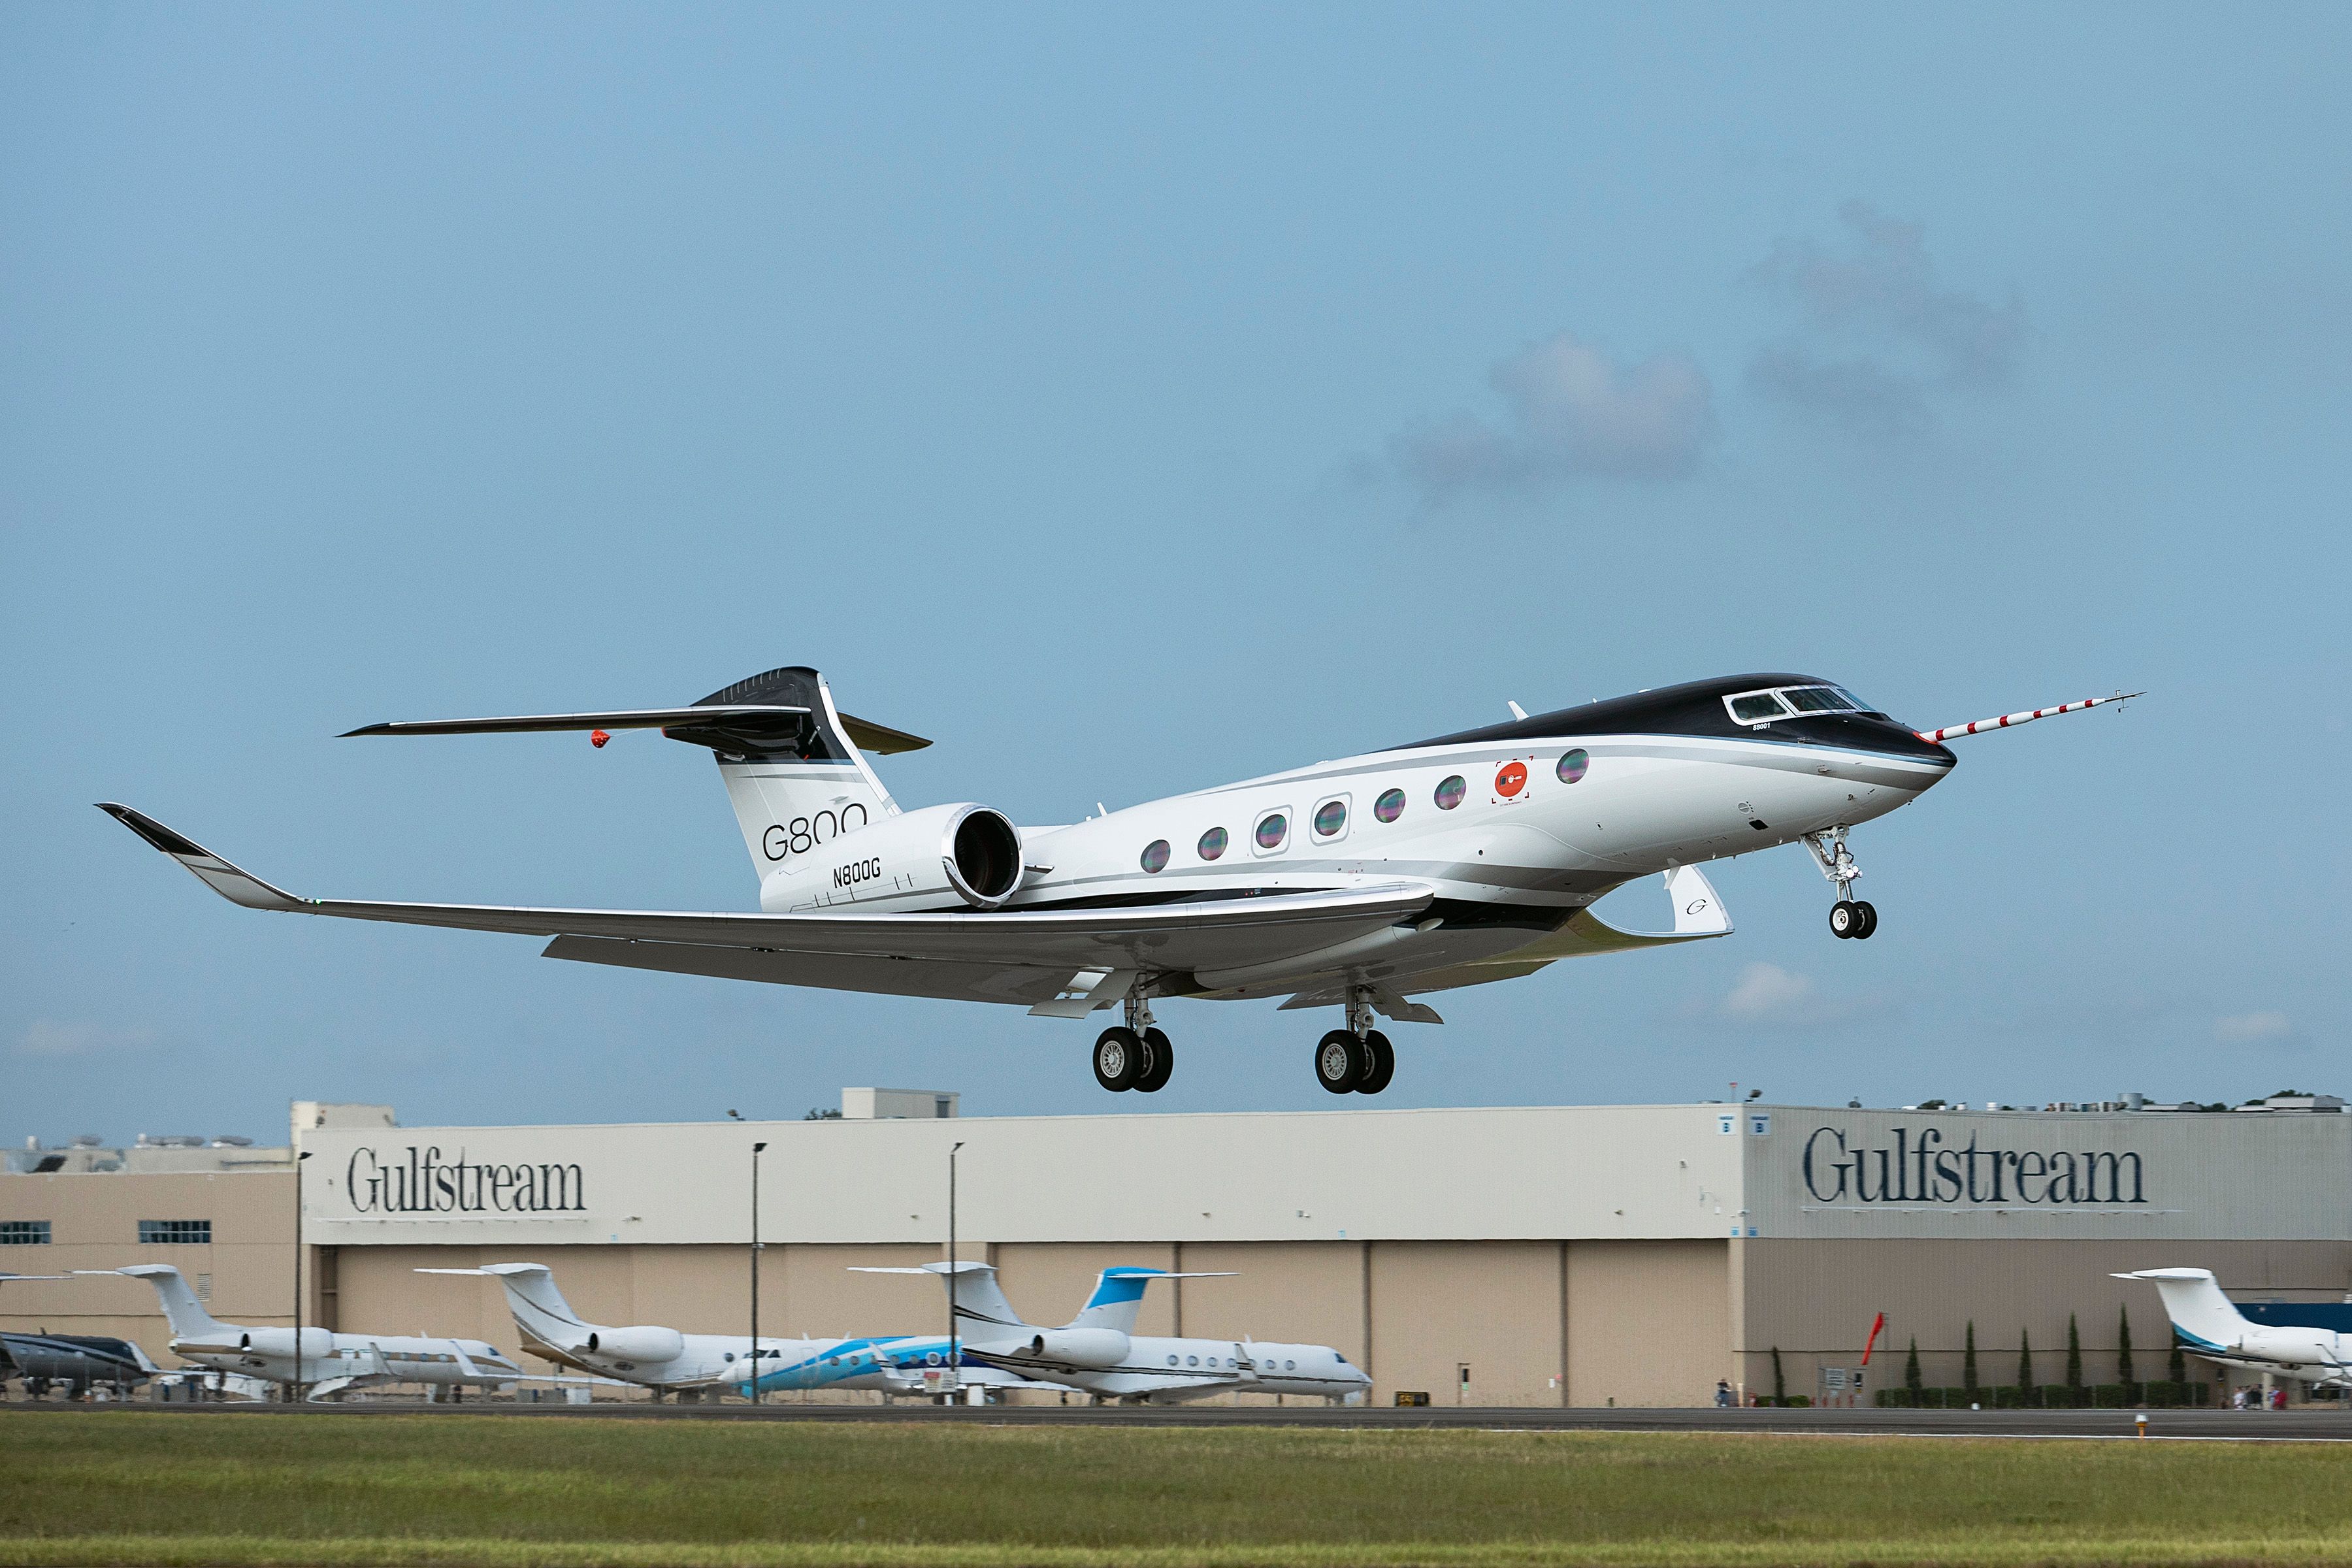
x,y
1856,919
1849,917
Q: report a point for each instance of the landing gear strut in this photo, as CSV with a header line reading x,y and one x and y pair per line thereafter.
x,y
1850,916
1359,1058
1134,1055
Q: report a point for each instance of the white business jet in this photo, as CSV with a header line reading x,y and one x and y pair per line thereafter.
x,y
2209,1325
1099,1350
1359,883
661,1358
328,1362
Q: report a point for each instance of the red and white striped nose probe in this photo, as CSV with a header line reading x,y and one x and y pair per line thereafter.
x,y
2007,720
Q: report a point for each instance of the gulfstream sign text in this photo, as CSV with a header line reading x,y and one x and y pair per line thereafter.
x,y
1928,1171
425,1183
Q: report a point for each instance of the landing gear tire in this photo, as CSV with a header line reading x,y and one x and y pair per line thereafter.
x,y
1338,1062
1121,1059
1845,919
1869,914
1160,1056
1380,1064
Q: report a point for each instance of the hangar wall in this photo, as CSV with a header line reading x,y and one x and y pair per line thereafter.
x,y
1578,1255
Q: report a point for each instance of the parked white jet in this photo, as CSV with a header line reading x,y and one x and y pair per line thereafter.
x,y
662,1358
1100,1351
1357,883
2209,1325
328,1362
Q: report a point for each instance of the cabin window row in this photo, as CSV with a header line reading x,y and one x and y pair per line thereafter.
x,y
1330,818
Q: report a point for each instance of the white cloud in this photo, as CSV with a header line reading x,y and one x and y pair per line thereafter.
x,y
1878,334
1769,997
48,1037
2248,1029
1569,411
1767,993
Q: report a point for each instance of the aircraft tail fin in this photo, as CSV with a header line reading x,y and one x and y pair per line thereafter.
x,y
539,1308
976,1299
186,1315
2200,1313
1118,1296
795,792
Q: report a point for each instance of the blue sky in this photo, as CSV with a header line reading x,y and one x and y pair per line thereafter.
x,y
1131,402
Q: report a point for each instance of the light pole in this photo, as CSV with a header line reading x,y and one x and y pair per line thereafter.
x,y
295,1394
755,1271
955,1342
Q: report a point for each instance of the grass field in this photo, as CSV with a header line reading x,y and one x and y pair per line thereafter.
x,y
127,1486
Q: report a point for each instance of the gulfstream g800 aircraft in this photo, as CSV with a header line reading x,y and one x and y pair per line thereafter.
x,y
1359,883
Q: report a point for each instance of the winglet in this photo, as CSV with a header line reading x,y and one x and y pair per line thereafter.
x,y
231,882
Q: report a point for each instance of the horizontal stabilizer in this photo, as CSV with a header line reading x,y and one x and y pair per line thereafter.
x,y
745,714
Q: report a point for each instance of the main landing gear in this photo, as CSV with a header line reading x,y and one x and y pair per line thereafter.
x,y
1357,1059
1850,916
1134,1055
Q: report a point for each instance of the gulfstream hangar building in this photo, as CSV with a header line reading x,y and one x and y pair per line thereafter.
x,y
1574,1254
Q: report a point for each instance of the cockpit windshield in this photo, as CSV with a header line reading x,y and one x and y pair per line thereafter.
x,y
1763,707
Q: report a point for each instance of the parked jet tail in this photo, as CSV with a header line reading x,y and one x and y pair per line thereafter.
x,y
187,1316
539,1308
976,1300
2200,1313
1118,1295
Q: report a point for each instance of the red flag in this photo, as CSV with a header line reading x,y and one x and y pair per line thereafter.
x,y
1875,1324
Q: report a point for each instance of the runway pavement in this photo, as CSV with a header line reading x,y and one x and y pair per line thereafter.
x,y
2305,1425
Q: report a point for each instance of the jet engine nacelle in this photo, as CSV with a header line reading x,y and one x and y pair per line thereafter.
x,y
316,1342
965,852
1078,1347
644,1342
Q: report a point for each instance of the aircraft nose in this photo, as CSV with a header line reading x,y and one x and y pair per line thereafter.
x,y
1889,738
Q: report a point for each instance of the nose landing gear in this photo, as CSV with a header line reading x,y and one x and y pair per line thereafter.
x,y
1359,1058
1850,916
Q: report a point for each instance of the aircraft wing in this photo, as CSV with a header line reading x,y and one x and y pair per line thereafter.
x,y
1025,956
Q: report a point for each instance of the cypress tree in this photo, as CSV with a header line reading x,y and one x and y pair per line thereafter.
x,y
2122,1349
1969,1364
1779,1389
2179,1370
1911,1366
2024,1366
2074,1358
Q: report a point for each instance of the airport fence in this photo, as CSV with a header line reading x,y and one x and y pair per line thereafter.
x,y
2052,1396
